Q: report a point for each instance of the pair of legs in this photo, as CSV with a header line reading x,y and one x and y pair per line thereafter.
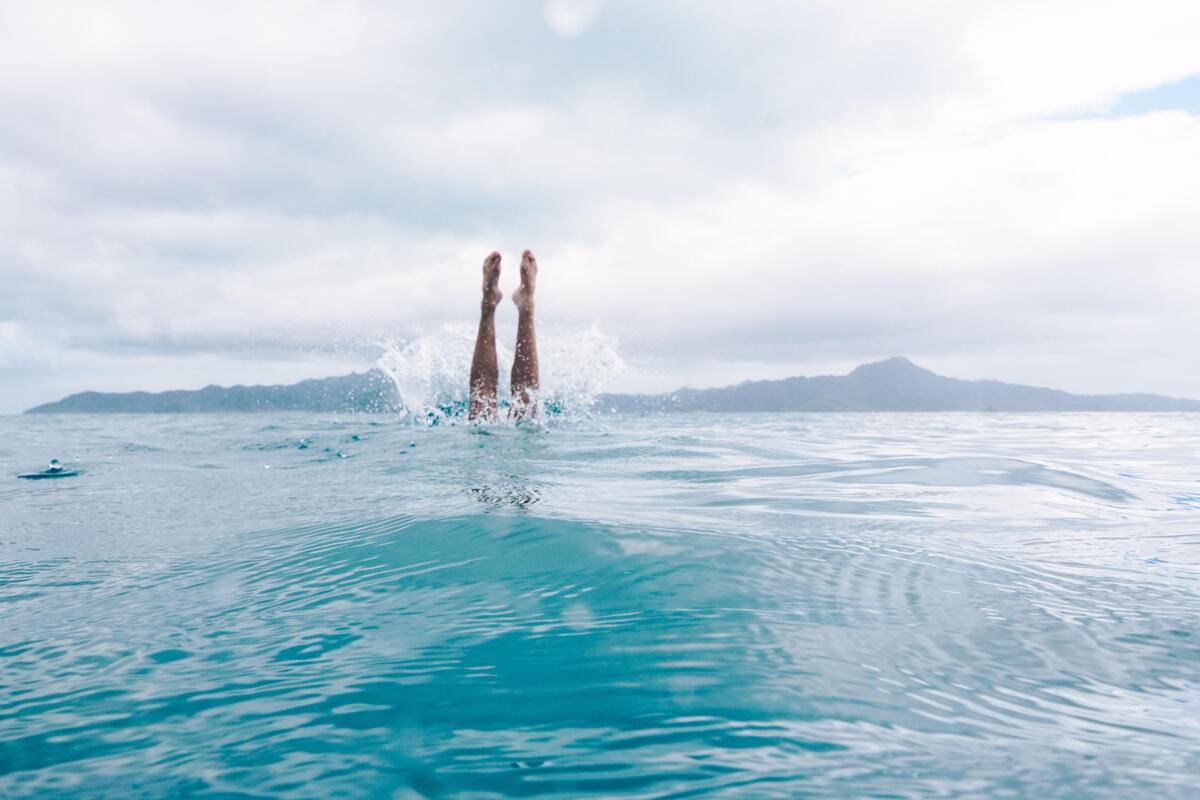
x,y
484,371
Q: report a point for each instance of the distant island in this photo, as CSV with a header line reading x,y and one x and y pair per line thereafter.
x,y
369,392
895,384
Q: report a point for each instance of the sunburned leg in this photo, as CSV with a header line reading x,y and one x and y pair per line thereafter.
x,y
525,376
483,365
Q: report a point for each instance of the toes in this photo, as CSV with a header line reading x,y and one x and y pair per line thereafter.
x,y
491,270
528,266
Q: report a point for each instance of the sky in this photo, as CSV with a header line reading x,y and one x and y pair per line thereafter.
x,y
230,192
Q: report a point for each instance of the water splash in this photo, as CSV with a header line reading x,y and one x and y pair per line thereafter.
x,y
431,372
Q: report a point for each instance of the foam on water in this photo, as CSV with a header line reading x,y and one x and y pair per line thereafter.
x,y
431,372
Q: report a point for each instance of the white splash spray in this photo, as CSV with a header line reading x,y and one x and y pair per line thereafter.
x,y
432,371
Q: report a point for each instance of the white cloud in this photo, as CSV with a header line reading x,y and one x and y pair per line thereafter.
x,y
1078,55
775,188
571,17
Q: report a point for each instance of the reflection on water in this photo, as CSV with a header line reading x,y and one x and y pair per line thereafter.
x,y
513,494
765,606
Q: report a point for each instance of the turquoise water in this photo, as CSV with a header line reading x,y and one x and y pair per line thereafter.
x,y
758,606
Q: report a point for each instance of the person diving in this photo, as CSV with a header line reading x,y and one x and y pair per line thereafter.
x,y
484,372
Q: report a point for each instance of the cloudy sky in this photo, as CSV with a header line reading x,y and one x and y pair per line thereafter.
x,y
211,192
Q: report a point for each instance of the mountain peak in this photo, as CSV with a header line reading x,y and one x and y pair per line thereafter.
x,y
894,367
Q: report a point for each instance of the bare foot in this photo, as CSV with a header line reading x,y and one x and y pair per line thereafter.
x,y
491,276
523,297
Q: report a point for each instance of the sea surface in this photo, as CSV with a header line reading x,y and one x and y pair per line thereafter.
x,y
754,606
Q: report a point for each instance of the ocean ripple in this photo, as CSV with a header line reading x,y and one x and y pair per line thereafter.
x,y
766,606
